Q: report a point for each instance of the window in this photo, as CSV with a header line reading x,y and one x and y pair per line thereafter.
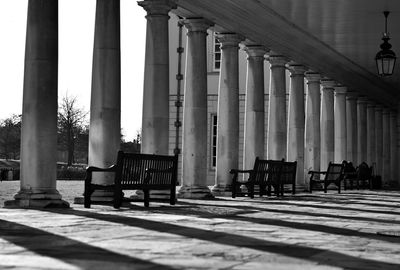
x,y
216,55
213,140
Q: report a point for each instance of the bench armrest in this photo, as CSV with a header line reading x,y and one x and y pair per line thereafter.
x,y
91,169
97,169
317,172
233,171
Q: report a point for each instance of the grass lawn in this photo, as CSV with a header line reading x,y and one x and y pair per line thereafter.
x,y
68,189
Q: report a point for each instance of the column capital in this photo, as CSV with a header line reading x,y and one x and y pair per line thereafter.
x,y
328,84
197,24
351,95
340,90
276,60
312,77
371,104
378,108
255,50
296,69
229,40
157,7
386,111
393,113
362,100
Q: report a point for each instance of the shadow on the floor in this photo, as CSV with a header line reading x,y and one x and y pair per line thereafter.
x,y
326,257
245,209
291,201
68,250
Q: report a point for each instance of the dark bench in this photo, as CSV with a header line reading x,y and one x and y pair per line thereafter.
x,y
266,174
136,171
333,175
287,176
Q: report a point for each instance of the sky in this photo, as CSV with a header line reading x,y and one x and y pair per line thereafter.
x,y
76,32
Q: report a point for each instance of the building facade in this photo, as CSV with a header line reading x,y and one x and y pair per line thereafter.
x,y
279,79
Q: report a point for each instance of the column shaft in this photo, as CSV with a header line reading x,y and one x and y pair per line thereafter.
x,y
39,110
379,140
386,147
312,155
362,130
393,149
351,127
296,122
277,129
194,154
254,108
105,106
327,123
228,113
371,140
155,118
340,124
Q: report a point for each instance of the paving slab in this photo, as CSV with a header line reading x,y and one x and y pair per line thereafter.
x,y
304,231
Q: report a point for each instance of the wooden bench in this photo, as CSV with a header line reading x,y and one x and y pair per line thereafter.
x,y
136,171
364,176
287,176
333,175
350,174
265,174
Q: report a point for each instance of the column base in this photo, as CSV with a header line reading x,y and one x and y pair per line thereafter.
x,y
195,192
46,199
301,188
222,190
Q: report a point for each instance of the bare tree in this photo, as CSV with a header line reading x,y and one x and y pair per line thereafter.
x,y
71,123
10,137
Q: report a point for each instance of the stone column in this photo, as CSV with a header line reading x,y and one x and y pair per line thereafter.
x,y
327,123
254,109
228,113
351,127
398,144
340,124
39,110
312,154
362,129
371,140
379,140
276,135
386,146
296,122
393,149
194,155
105,106
155,118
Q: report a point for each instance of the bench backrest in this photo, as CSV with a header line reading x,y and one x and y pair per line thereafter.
x,y
364,172
288,172
335,171
131,168
266,170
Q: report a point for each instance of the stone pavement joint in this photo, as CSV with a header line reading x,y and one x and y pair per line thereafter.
x,y
352,230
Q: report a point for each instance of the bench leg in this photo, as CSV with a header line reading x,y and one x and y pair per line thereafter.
x,y
325,187
146,198
118,199
233,190
251,191
172,196
339,186
87,194
269,190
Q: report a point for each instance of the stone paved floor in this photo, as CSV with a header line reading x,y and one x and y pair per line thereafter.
x,y
318,231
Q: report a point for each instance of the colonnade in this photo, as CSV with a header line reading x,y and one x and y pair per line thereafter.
x,y
330,124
